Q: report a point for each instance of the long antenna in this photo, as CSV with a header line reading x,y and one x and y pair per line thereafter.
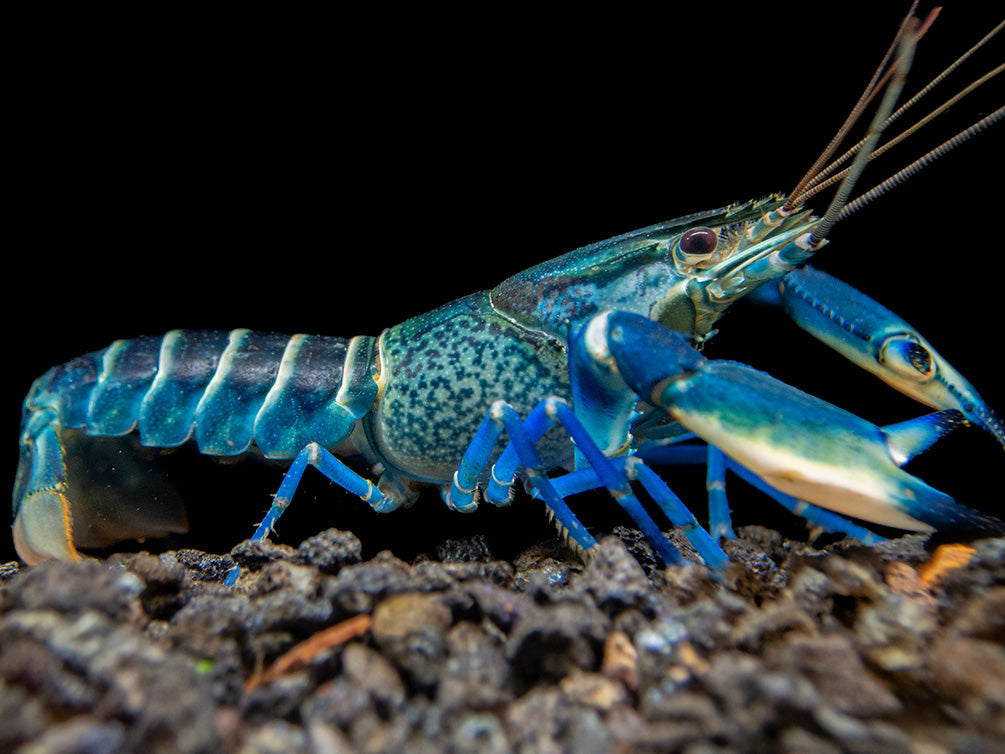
x,y
814,185
817,185
908,38
902,175
852,118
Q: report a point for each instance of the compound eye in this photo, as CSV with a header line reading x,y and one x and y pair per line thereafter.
x,y
699,241
907,357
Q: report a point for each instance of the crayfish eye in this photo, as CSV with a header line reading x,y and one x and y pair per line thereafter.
x,y
907,357
699,241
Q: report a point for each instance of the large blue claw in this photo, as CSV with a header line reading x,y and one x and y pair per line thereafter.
x,y
880,342
798,444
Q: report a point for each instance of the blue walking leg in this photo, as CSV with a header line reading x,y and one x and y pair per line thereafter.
x,y
634,467
720,522
610,474
315,455
522,439
680,516
461,493
537,474
503,475
615,481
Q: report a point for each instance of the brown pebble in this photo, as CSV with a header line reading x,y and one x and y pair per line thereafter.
x,y
593,690
962,666
619,661
403,614
902,579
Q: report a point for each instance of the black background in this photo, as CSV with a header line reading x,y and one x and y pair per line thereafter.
x,y
340,174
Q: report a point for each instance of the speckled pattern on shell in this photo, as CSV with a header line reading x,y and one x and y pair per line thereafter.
x,y
446,369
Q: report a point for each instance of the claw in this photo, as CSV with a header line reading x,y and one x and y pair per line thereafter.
x,y
880,342
799,444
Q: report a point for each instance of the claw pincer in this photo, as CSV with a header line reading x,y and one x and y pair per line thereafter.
x,y
877,340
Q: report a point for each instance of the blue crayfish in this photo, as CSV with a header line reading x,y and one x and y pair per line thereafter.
x,y
584,364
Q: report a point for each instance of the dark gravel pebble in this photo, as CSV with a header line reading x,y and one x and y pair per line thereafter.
x,y
844,649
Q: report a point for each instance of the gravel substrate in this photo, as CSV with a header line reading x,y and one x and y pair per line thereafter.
x,y
846,649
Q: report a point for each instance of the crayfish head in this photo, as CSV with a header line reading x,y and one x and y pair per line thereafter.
x,y
720,262
681,273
